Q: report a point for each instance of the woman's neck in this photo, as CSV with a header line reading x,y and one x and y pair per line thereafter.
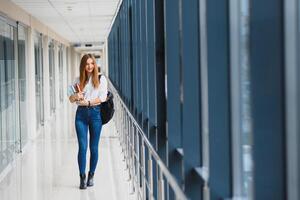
x,y
89,75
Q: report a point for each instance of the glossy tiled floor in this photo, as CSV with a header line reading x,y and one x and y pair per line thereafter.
x,y
47,169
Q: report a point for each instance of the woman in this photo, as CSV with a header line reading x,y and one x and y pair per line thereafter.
x,y
88,93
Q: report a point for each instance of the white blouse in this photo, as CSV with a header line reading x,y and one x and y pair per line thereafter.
x,y
91,93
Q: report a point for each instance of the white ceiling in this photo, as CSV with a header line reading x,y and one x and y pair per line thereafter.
x,y
79,21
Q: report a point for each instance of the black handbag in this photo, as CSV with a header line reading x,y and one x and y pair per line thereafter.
x,y
107,108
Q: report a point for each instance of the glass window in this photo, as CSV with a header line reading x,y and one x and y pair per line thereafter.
x,y
241,105
246,120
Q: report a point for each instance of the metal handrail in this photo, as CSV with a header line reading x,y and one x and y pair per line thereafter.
x,y
130,136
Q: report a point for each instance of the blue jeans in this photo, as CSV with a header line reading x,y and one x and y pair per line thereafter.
x,y
88,118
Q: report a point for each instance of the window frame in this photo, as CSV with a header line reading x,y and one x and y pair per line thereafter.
x,y
292,81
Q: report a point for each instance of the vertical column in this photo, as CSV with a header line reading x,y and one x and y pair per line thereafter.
x,y
150,31
17,91
174,112
31,86
134,56
56,78
69,78
31,110
73,64
46,77
218,70
160,79
292,81
105,58
65,74
138,59
130,38
144,70
191,110
268,100
127,50
128,53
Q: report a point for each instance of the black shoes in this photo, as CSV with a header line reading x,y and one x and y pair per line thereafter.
x,y
82,182
90,181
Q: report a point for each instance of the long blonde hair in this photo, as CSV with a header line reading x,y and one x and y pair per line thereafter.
x,y
83,74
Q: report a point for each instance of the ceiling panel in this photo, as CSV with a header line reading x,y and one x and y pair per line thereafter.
x,y
78,21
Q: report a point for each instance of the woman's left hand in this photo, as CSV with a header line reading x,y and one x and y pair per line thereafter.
x,y
83,103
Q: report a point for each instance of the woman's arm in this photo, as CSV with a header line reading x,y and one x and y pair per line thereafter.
x,y
73,96
103,89
93,102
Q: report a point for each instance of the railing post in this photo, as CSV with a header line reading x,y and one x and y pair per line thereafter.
x,y
132,164
123,131
128,140
161,188
138,161
150,176
125,139
121,126
143,170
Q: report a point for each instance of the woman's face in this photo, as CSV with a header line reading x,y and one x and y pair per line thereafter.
x,y
89,65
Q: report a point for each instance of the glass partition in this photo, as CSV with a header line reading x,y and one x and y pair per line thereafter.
x,y
8,106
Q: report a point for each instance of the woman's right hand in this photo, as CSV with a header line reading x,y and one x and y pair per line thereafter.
x,y
79,96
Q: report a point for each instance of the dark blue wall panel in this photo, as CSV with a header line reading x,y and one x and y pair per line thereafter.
x,y
174,112
267,72
191,121
220,181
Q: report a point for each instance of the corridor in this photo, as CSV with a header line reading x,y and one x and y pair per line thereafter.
x,y
206,98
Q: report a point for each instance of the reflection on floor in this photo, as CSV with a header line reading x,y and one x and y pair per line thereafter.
x,y
47,169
